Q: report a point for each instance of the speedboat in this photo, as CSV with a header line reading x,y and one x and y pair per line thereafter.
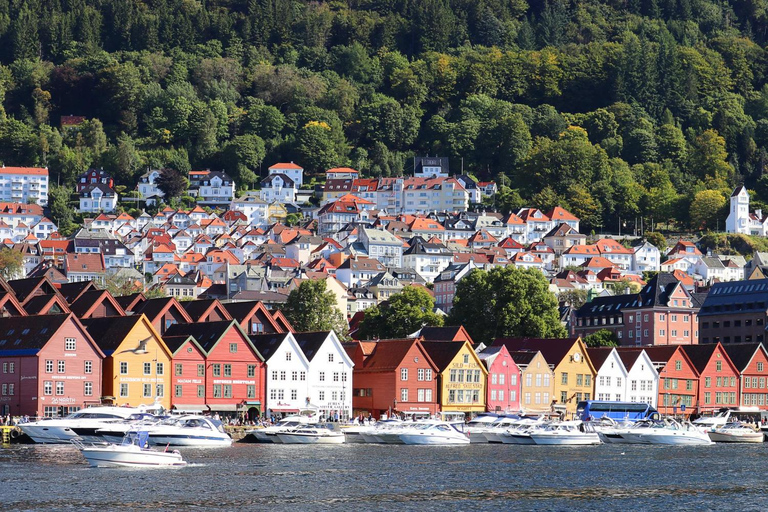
x,y
115,431
668,432
480,424
521,432
269,434
83,424
380,433
570,433
434,433
311,434
134,451
189,430
735,433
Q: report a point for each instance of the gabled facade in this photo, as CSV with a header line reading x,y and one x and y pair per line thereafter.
x,y
751,360
395,376
330,373
50,366
611,377
573,370
503,387
234,369
642,377
718,377
137,363
287,385
462,376
537,381
189,376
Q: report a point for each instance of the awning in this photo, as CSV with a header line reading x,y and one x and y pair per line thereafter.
x,y
222,407
253,402
283,409
189,407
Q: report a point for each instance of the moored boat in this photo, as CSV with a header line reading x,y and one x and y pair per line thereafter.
x,y
189,430
311,434
84,424
571,433
434,433
735,433
134,451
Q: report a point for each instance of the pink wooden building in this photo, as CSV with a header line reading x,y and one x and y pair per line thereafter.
x,y
503,389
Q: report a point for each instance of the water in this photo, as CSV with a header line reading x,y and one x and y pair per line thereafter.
x,y
380,477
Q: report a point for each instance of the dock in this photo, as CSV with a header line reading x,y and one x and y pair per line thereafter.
x,y
237,433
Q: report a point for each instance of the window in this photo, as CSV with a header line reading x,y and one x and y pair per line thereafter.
x,y
678,365
335,376
404,395
48,387
707,382
147,390
160,390
70,344
501,378
252,370
216,370
580,379
719,366
200,391
160,369
89,367
564,379
233,348
178,368
303,376
428,374
466,358
759,367
588,380
123,390
61,367
227,390
322,376
217,391
87,389
201,370
250,391
420,374
147,368
321,395
227,370
59,388
330,358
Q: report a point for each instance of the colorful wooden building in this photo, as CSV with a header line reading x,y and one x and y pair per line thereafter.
x,y
718,377
751,359
678,380
234,369
503,387
396,376
137,364
50,366
188,379
462,377
574,372
537,381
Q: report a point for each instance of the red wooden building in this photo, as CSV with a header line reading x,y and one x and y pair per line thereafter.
x,y
503,389
188,379
718,377
751,359
393,375
234,369
678,380
50,366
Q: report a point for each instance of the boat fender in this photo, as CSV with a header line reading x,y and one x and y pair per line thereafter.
x,y
15,434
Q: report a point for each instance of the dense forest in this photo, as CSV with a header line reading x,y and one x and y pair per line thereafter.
x,y
613,108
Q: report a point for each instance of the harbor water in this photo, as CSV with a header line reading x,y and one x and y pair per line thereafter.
x,y
386,477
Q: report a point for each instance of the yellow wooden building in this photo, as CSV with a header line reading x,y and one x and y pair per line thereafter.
x,y
537,381
276,212
574,374
462,377
137,367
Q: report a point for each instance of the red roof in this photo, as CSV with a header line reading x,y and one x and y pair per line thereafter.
x,y
287,166
37,171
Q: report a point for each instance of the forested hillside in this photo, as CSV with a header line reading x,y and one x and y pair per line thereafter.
x,y
611,108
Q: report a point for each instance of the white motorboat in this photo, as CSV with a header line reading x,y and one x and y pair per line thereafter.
x,y
727,415
668,432
189,430
434,433
571,433
134,451
380,433
354,434
480,424
735,433
83,424
269,434
311,434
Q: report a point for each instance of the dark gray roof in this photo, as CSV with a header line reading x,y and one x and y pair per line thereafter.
x,y
26,335
310,342
266,344
749,296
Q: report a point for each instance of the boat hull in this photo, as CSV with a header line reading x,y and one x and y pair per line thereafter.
x,y
719,437
109,457
516,439
310,439
188,440
674,439
421,439
567,440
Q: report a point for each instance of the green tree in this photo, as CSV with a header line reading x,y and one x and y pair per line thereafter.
x,y
657,239
61,211
506,302
403,314
11,264
574,298
171,182
601,338
706,209
312,307
243,156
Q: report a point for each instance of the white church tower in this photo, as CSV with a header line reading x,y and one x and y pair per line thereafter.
x,y
738,217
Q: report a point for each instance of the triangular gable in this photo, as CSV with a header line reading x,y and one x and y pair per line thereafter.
x,y
9,306
282,321
53,304
90,305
